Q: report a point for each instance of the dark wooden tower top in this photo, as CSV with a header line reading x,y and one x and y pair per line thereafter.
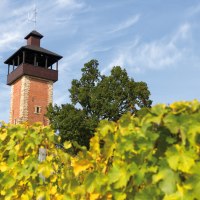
x,y
33,60
35,34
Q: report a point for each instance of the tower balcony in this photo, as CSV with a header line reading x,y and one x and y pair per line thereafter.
x,y
34,71
33,60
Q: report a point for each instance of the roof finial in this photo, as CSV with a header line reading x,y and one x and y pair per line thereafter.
x,y
33,16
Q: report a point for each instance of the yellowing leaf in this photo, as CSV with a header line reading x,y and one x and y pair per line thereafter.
x,y
24,197
80,165
109,196
180,106
60,196
45,169
105,127
67,145
49,158
3,192
53,178
53,190
40,195
180,189
22,183
3,166
179,158
17,147
172,197
94,146
94,196
3,135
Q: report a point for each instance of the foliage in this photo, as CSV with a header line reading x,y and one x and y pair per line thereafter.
x,y
152,157
98,97
72,124
21,174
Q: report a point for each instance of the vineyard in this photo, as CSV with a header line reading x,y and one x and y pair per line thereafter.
x,y
155,156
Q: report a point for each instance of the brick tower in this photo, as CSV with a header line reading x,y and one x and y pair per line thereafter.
x,y
32,70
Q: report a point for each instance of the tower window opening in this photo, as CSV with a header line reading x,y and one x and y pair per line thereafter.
x,y
37,110
15,121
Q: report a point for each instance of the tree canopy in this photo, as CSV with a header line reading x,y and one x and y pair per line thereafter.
x,y
96,97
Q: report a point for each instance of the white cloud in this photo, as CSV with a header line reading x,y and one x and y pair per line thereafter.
x,y
194,9
126,24
18,18
182,33
7,39
123,56
70,59
157,54
14,26
67,2
65,19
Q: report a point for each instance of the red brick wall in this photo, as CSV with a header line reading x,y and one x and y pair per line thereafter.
x,y
15,98
33,41
38,96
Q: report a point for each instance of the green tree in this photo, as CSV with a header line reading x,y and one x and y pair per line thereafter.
x,y
95,97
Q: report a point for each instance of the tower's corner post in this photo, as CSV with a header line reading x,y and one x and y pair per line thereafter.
x,y
25,88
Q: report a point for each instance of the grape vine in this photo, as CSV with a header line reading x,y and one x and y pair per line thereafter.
x,y
156,156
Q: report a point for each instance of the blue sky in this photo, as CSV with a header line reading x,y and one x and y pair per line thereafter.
x,y
156,41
